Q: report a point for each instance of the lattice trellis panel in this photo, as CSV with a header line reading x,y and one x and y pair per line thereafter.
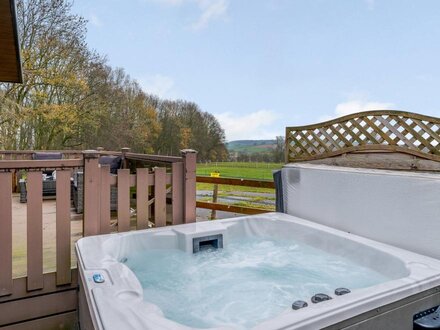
x,y
384,130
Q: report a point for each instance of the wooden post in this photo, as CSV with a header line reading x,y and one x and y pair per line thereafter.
x,y
214,200
34,230
177,192
91,221
160,197
189,187
63,227
99,150
124,157
142,179
6,285
123,200
104,206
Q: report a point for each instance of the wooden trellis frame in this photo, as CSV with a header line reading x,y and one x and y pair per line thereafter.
x,y
371,131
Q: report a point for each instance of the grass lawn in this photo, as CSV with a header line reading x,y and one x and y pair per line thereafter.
x,y
258,171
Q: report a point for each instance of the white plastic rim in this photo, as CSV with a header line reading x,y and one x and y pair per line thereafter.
x,y
118,302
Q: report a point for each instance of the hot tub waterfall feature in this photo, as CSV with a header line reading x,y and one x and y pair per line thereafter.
x,y
207,242
271,271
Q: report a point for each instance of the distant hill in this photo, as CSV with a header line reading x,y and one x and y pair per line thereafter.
x,y
251,146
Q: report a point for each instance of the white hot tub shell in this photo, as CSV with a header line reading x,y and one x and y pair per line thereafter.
x,y
118,303
385,220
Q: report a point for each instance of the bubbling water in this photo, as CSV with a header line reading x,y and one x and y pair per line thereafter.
x,y
247,282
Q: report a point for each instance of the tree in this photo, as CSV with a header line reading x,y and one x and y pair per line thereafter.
x,y
55,64
184,125
71,98
126,116
278,151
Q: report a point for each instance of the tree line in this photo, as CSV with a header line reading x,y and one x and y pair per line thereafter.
x,y
276,155
72,98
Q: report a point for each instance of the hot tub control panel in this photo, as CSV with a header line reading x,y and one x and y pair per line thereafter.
x,y
98,278
428,319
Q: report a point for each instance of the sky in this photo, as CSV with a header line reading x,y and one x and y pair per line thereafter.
x,y
262,65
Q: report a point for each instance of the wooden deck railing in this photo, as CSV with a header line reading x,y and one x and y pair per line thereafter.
x,y
46,293
51,299
27,154
214,206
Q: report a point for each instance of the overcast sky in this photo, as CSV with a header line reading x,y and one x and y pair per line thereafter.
x,y
262,65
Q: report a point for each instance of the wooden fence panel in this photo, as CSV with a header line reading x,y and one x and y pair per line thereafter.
x,y
38,306
142,207
123,200
19,288
160,211
42,300
105,209
63,253
68,320
177,192
214,206
34,230
379,130
5,234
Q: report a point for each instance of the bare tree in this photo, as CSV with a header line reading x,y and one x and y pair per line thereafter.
x,y
278,152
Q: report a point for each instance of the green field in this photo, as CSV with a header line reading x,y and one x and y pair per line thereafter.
x,y
242,170
258,171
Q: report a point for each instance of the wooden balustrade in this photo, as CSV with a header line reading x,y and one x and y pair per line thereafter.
x,y
27,154
55,293
35,278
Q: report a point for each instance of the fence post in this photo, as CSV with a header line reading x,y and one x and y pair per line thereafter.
x,y
6,284
189,186
214,201
124,158
91,179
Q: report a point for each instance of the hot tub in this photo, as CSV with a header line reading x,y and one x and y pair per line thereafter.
x,y
245,273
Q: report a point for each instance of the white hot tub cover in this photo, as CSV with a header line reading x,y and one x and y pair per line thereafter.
x,y
398,208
